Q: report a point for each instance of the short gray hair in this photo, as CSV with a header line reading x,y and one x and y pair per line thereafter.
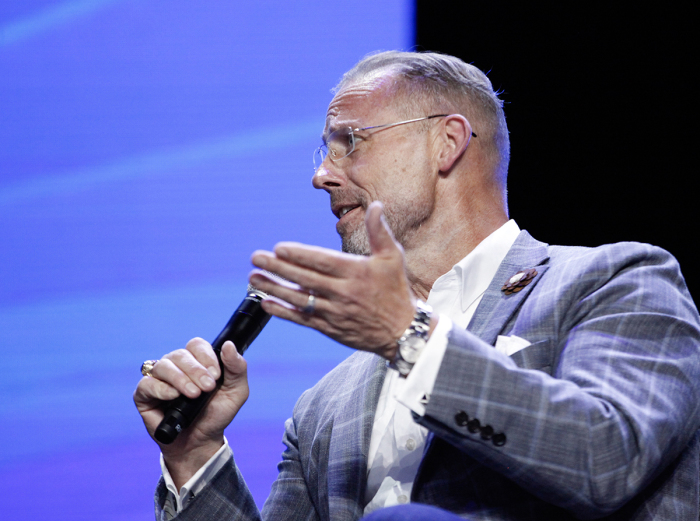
x,y
444,83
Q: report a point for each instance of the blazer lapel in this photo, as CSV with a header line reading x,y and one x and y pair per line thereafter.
x,y
349,443
352,425
496,308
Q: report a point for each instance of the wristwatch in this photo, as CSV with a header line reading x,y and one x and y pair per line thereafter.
x,y
412,341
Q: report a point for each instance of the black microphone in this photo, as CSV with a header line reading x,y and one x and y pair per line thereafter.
x,y
242,328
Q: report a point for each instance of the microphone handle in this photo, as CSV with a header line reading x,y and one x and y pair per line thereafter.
x,y
242,328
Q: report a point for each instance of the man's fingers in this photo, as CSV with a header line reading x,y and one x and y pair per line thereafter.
x,y
184,372
233,362
381,240
319,260
264,281
305,279
304,264
235,371
285,311
204,354
150,392
289,293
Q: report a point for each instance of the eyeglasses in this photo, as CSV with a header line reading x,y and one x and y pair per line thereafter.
x,y
341,143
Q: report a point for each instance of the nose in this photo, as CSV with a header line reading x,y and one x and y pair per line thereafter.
x,y
328,176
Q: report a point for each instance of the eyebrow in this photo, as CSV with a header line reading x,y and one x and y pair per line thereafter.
x,y
354,123
327,130
330,128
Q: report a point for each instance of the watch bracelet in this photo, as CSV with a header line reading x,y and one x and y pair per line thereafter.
x,y
420,327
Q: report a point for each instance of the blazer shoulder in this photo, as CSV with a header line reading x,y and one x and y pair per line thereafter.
x,y
583,269
648,274
614,254
608,261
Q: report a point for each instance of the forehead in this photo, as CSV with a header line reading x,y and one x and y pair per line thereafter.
x,y
364,102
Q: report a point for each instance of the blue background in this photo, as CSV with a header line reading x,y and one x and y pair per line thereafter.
x,y
147,147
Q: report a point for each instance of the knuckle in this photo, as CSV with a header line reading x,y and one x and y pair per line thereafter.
x,y
162,371
202,352
197,343
175,356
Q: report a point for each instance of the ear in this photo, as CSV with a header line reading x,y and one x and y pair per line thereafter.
x,y
456,135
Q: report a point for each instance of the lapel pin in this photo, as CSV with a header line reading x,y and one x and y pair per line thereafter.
x,y
519,281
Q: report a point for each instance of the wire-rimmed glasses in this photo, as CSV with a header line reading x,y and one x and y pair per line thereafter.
x,y
341,143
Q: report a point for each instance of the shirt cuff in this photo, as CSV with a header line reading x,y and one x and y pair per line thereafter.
x,y
421,380
197,482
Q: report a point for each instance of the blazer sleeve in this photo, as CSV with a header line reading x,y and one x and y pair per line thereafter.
x,y
289,497
603,399
227,498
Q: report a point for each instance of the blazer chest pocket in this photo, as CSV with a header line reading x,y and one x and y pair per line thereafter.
x,y
535,356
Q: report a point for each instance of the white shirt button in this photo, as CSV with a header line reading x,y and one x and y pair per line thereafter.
x,y
410,444
402,499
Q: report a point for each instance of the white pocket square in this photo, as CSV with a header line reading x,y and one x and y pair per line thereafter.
x,y
510,344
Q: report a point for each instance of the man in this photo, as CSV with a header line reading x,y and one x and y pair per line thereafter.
x,y
547,383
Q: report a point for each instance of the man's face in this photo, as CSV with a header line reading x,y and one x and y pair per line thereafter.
x,y
390,165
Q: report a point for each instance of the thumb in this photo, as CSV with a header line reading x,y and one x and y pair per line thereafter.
x,y
234,365
381,239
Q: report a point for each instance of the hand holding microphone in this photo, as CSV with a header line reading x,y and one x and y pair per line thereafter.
x,y
184,380
242,328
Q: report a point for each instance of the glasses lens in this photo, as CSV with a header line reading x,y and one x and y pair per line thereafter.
x,y
319,155
341,143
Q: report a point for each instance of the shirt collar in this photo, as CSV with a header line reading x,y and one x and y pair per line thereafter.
x,y
473,274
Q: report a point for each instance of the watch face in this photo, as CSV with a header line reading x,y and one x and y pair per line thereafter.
x,y
411,348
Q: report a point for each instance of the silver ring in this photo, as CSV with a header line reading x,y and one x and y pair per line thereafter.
x,y
310,305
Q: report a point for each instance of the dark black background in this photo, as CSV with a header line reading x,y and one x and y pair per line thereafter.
x,y
600,104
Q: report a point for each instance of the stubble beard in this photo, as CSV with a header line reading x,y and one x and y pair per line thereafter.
x,y
404,220
356,242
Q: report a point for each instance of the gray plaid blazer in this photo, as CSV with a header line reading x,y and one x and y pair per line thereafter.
x,y
597,418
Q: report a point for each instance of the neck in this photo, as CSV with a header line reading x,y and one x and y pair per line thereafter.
x,y
444,244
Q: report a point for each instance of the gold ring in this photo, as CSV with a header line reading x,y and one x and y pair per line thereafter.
x,y
147,367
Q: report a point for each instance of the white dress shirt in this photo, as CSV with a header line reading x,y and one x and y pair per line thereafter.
x,y
397,442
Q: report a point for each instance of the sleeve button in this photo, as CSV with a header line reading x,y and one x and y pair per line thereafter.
x,y
461,418
499,439
486,432
474,426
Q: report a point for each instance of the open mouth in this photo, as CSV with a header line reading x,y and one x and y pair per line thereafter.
x,y
341,211
345,210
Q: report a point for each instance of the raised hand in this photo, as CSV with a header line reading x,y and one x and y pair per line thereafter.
x,y
362,302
